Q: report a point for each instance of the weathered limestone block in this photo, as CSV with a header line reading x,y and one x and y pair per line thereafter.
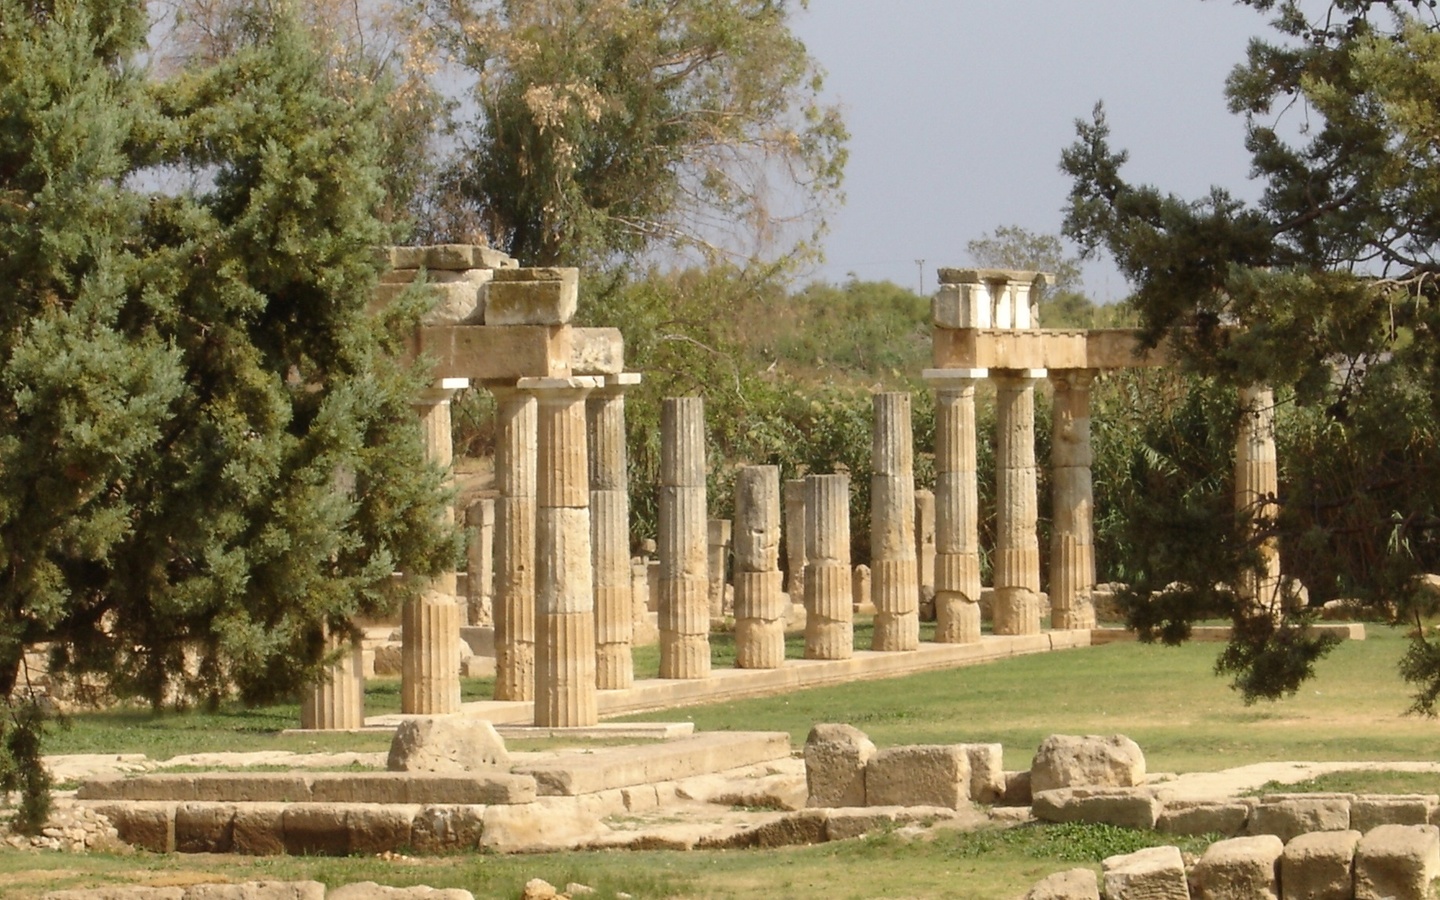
x,y
835,760
204,827
533,297
861,587
684,614
1072,884
829,619
144,824
1242,868
1155,873
717,548
1123,807
118,892
919,775
1197,817
597,351
557,823
369,890
1319,866
1289,816
373,828
453,301
987,772
1090,761
315,829
793,497
1369,811
1397,862
447,828
446,745
759,603
258,829
257,890
925,552
894,585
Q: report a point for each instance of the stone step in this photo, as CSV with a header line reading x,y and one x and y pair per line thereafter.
x,y
621,767
315,787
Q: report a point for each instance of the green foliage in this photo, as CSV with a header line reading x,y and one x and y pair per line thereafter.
x,y
22,767
1073,842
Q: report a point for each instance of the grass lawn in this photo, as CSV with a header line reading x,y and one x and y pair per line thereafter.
x,y
1167,699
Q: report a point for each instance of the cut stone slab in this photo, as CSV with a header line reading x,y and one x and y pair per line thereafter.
x,y
835,760
444,828
1291,815
1319,866
1372,810
257,890
539,827
369,890
1397,862
1155,873
533,297
627,766
1198,817
987,772
118,892
1122,807
446,744
919,775
1090,761
1072,884
422,787
1242,868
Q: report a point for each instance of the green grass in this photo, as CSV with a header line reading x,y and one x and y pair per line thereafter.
x,y
1380,781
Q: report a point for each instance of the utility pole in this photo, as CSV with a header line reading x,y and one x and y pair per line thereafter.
x,y
920,264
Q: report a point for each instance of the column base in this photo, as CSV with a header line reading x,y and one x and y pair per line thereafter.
x,y
684,656
430,655
896,633
565,688
759,643
1017,611
614,667
337,702
957,619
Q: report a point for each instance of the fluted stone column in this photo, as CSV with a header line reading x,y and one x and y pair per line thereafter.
x,y
564,575
515,545
759,603
793,496
1072,549
894,587
684,583
829,618
957,507
717,544
338,701
430,620
861,591
610,534
480,563
1257,484
1017,548
925,552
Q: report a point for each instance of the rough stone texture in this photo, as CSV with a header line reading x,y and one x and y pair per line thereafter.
x,y
1370,811
1123,807
1293,816
1155,873
204,827
835,760
1257,483
919,775
894,587
515,415
447,828
795,829
925,552
684,614
957,538
144,824
1397,862
717,552
1242,868
759,604
1072,884
258,829
576,774
1319,866
369,890
118,892
1017,788
1017,548
1090,761
533,297
1072,550
257,890
480,565
446,745
538,827
1197,817
829,613
987,772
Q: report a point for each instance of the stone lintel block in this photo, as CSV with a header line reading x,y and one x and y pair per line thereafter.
x,y
1289,817
1397,862
647,764
1239,867
836,756
961,306
451,302
532,301
919,775
1319,865
597,351
1124,807
975,275
1198,817
498,354
1368,811
1155,873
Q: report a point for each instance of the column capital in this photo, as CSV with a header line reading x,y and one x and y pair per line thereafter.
x,y
1073,378
560,390
1031,375
616,385
441,391
951,379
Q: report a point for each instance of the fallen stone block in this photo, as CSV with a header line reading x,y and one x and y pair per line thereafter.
x,y
650,764
1155,873
205,827
258,829
1197,817
538,827
1072,884
1397,862
446,744
257,890
1089,761
443,828
1291,815
835,760
145,824
1123,807
987,772
920,775
1319,866
1242,868
369,890
1369,811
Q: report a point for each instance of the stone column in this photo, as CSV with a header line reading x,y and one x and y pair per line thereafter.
x,y
337,702
1017,549
610,534
1257,484
515,545
894,588
759,603
684,584
957,507
480,563
829,619
861,591
1072,548
717,543
564,576
794,533
430,620
925,552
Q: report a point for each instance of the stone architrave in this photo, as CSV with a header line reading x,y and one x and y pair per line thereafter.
x,y
1257,483
829,618
564,574
337,701
759,603
893,585
684,611
515,545
480,563
610,534
925,552
957,507
430,618
1017,548
717,541
794,534
1072,549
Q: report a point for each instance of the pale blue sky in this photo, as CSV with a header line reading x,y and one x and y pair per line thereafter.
x,y
959,109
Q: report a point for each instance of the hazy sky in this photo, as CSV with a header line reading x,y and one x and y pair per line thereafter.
x,y
958,111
